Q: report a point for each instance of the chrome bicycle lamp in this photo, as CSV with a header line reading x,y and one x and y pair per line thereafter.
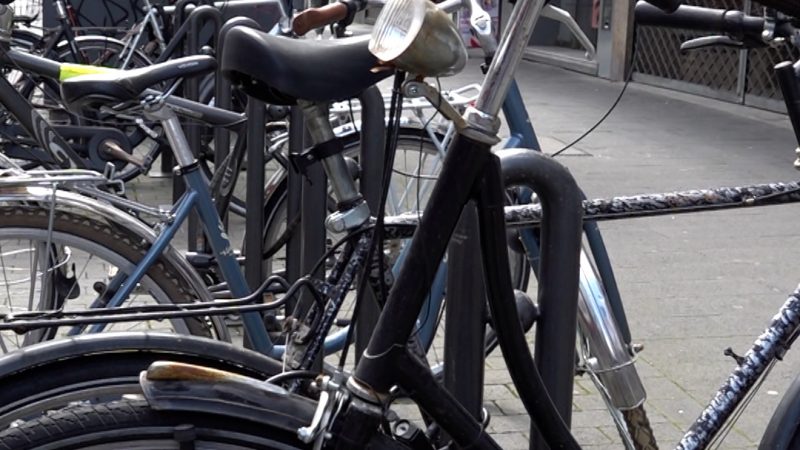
x,y
418,37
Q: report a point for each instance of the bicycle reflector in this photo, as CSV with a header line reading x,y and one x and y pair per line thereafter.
x,y
416,36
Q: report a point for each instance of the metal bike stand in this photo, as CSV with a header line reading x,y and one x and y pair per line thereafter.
x,y
464,343
223,100
197,19
313,210
307,200
373,139
167,161
294,245
254,224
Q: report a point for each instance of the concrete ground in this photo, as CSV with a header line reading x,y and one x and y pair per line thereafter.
x,y
693,285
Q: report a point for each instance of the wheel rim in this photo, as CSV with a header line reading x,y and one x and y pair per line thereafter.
x,y
26,285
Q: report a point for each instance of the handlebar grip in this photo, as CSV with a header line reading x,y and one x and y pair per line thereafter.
x,y
790,88
668,6
312,18
700,19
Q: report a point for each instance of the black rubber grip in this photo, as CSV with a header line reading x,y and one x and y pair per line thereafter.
x,y
790,88
701,19
667,6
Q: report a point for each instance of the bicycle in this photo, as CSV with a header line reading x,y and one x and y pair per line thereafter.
x,y
361,411
611,351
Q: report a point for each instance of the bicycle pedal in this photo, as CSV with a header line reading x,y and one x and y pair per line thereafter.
x,y
527,310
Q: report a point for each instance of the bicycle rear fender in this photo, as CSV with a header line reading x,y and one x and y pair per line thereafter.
x,y
171,386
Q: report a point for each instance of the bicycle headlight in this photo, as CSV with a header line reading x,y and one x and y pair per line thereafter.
x,y
416,36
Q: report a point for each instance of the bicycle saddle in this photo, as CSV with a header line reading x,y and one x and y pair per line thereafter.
x,y
124,85
281,70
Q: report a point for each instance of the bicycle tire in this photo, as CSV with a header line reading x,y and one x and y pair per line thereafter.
x,y
93,373
128,424
783,429
639,429
21,224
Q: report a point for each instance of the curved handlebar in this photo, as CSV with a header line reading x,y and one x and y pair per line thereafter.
x,y
701,19
313,18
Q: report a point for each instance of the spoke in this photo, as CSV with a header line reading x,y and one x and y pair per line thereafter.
x,y
5,277
10,300
78,276
34,264
3,343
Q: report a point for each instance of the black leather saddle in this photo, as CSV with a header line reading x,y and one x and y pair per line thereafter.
x,y
281,70
124,85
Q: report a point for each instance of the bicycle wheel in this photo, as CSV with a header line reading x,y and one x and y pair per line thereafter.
x,y
783,430
52,260
133,425
100,369
632,424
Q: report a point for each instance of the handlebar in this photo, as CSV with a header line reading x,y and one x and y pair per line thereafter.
x,y
700,19
313,18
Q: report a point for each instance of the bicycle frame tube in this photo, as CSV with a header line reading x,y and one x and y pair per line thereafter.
x,y
522,134
127,284
767,348
133,43
67,32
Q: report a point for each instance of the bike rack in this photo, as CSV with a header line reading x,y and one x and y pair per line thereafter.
x,y
373,138
173,47
463,370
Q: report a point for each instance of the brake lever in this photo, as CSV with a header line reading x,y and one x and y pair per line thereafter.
x,y
711,41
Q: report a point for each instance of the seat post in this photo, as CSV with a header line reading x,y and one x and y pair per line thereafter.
x,y
352,210
184,156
